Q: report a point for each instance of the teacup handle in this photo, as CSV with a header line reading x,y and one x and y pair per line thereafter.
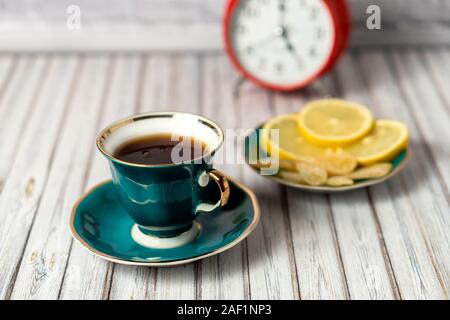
x,y
220,179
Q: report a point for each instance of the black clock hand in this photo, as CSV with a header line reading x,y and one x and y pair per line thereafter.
x,y
282,28
261,42
283,32
292,50
282,10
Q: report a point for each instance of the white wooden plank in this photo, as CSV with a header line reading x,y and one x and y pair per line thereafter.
x,y
171,83
17,107
319,269
365,267
181,93
87,276
402,233
137,282
27,180
7,66
194,25
405,35
408,222
49,243
431,120
438,65
224,276
317,256
429,110
148,11
127,35
189,11
402,10
271,267
130,282
368,272
177,37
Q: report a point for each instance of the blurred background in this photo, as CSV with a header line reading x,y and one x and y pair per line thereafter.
x,y
189,24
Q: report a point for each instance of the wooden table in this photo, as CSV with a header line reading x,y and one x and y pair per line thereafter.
x,y
391,241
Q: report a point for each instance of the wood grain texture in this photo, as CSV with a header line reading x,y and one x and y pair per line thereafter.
x,y
45,258
172,84
7,67
389,241
317,254
432,74
366,271
129,282
87,276
406,248
178,86
21,196
436,62
17,106
362,257
271,267
192,11
192,25
224,276
432,127
375,265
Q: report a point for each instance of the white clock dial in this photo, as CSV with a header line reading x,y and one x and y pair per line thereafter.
x,y
282,42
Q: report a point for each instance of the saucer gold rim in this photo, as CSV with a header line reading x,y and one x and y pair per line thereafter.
x,y
245,234
325,189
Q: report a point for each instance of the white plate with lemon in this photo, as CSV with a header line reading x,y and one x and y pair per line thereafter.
x,y
331,145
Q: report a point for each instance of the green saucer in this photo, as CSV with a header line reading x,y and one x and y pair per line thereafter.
x,y
99,223
398,163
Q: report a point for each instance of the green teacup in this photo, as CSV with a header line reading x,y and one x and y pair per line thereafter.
x,y
164,199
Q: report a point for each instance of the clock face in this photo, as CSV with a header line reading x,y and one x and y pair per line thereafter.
x,y
281,42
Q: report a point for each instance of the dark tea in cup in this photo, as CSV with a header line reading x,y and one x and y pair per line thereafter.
x,y
161,149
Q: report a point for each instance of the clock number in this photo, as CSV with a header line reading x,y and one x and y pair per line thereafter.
x,y
241,29
314,13
313,52
279,67
320,33
251,12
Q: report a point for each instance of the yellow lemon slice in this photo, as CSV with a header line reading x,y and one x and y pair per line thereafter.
x,y
386,140
281,138
334,122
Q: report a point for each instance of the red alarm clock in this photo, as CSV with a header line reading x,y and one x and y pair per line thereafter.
x,y
285,44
